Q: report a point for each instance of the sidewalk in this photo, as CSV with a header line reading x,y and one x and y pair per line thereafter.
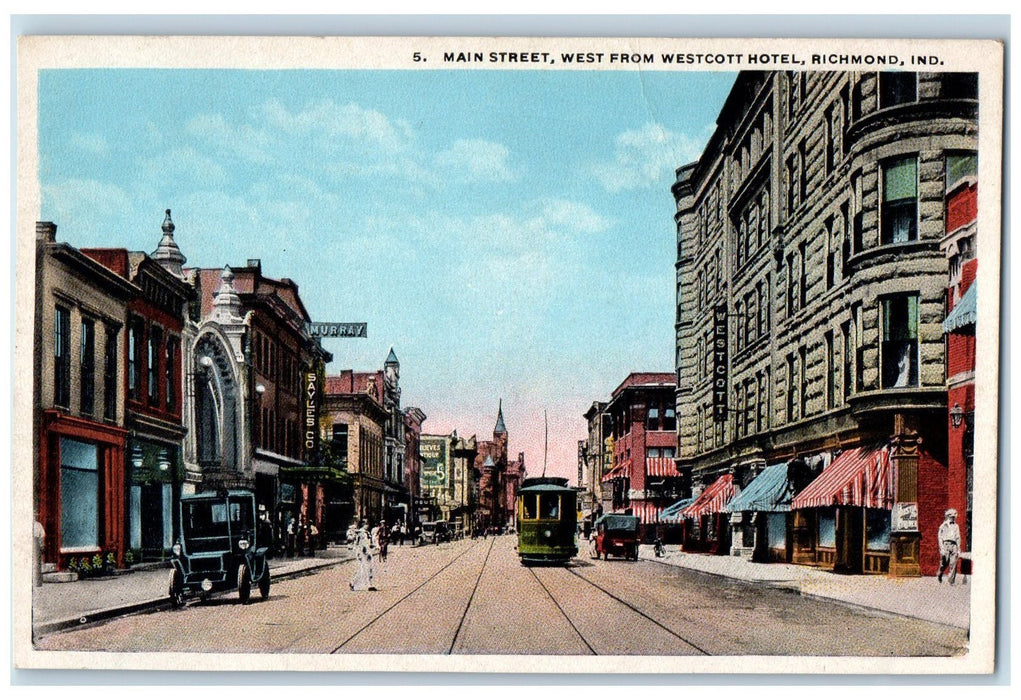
x,y
57,606
921,598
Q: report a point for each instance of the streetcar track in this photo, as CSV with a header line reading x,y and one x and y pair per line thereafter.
x,y
631,607
410,593
467,607
562,612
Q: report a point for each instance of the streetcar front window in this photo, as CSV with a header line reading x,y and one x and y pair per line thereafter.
x,y
528,507
549,506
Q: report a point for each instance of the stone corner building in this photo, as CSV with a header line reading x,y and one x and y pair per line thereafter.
x,y
810,300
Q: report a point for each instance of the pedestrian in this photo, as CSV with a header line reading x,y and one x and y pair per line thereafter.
x,y
382,540
313,538
366,570
949,536
292,531
265,533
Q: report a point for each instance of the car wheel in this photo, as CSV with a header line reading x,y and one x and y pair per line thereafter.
x,y
176,590
244,584
264,584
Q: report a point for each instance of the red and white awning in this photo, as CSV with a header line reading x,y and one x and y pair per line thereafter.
x,y
619,470
712,499
645,510
660,466
859,477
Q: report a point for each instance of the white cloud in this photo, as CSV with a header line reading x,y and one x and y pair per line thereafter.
x,y
81,204
332,120
575,215
92,144
244,140
646,157
476,160
184,164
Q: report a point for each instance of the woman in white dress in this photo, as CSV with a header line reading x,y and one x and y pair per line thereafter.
x,y
366,571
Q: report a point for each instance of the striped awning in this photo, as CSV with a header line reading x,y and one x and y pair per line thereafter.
x,y
645,510
712,499
964,311
613,473
660,466
672,513
769,492
858,477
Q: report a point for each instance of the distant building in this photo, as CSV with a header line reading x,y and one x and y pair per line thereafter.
x,y
595,459
644,479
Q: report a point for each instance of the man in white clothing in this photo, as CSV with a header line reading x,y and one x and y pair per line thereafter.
x,y
949,537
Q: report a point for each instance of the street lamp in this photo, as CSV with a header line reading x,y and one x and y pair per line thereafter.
x,y
956,415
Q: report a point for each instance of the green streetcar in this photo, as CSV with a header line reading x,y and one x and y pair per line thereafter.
x,y
547,521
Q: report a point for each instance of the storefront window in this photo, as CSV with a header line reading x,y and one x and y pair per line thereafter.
x,y
79,494
827,528
776,526
877,529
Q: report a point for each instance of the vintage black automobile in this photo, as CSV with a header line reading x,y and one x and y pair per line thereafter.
x,y
221,547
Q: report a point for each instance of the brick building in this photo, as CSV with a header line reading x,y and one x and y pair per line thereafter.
x,y
962,296
595,455
810,295
153,351
81,314
641,413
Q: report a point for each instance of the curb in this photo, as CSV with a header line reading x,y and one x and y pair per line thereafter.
x,y
156,604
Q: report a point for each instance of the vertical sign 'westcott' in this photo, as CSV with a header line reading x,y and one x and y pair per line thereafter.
x,y
719,363
311,413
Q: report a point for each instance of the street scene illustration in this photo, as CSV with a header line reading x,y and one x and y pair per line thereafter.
x,y
484,362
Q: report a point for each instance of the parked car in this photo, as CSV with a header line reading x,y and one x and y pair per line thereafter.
x,y
616,534
221,547
435,532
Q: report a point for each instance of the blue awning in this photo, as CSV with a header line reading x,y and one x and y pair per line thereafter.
x,y
768,492
672,512
964,312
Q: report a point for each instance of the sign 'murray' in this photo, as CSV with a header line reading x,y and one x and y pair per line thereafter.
x,y
719,363
329,329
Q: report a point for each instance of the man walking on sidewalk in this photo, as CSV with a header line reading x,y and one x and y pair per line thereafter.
x,y
949,537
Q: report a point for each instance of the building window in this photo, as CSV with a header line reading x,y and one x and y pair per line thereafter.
x,y
802,372
652,422
170,373
960,86
88,367
831,379
62,358
790,388
791,309
831,255
896,88
792,184
79,494
155,341
802,171
960,166
899,215
135,359
340,442
803,274
848,359
669,419
900,341
110,375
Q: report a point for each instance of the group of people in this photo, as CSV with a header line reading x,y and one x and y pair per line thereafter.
x,y
368,546
299,536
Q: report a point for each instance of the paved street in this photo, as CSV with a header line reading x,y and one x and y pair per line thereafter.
x,y
474,597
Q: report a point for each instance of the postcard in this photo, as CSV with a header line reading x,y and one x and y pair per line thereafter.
x,y
566,355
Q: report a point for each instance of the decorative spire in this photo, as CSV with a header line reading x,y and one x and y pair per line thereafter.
x,y
391,359
167,254
227,303
500,427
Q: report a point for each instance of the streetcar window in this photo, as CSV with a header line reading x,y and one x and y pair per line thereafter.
x,y
549,506
528,509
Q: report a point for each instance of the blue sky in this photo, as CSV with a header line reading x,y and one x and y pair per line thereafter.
x,y
510,234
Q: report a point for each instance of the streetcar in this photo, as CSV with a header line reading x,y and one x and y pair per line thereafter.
x,y
547,521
